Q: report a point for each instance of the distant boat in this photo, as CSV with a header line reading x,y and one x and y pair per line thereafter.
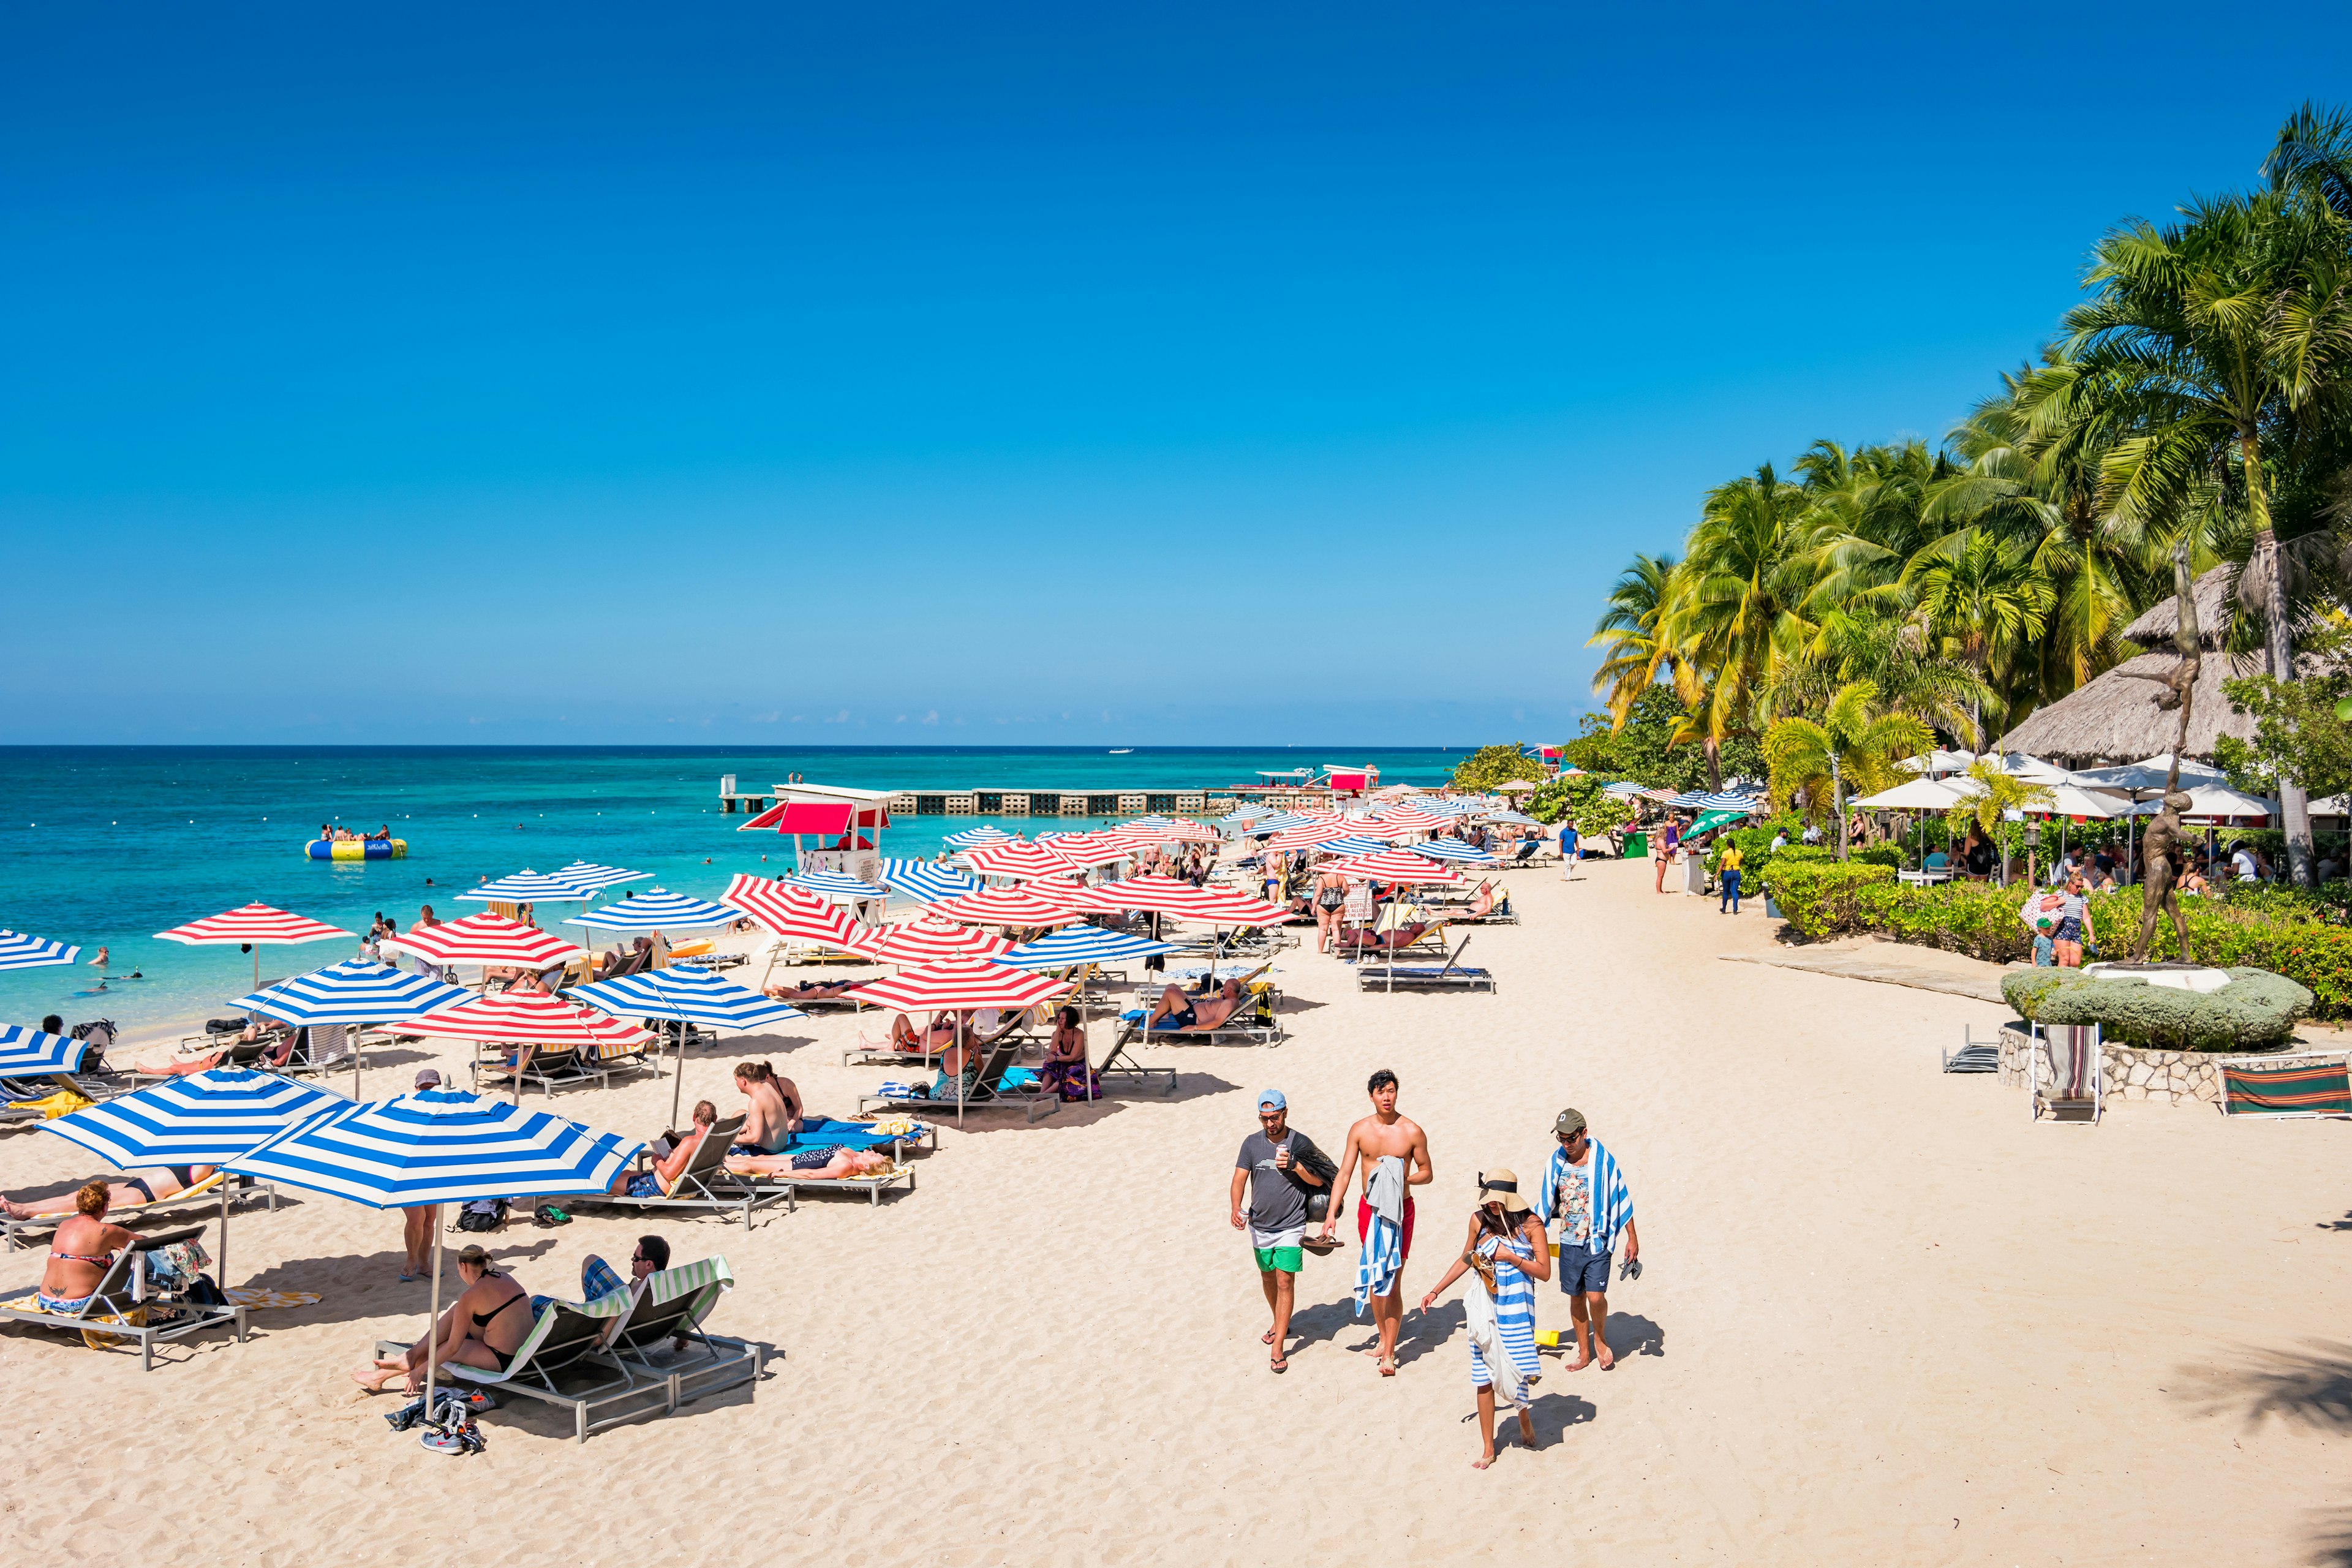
x,y
1124,752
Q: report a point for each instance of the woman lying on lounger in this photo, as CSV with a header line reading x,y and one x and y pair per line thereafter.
x,y
814,990
483,1327
816,1163
165,1182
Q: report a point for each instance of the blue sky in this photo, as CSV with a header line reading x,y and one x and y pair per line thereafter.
x,y
1008,373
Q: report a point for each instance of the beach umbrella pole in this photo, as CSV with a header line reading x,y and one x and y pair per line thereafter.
x,y
433,1324
677,1084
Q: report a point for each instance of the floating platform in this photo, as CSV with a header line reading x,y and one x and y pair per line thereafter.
x,y
357,849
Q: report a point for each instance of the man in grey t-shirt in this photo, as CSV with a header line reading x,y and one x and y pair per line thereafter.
x,y
1273,1162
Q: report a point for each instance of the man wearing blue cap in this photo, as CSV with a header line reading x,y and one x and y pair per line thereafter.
x,y
1279,1167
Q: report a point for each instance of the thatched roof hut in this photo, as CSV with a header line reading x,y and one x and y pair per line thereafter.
x,y
2115,718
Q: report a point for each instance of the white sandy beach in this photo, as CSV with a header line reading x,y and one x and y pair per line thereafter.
x,y
1884,1318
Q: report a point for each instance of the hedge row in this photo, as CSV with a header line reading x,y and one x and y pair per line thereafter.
x,y
1979,918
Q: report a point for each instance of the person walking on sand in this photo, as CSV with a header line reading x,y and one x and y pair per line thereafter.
x,y
1331,897
1585,1191
1567,851
1277,1166
1662,849
1727,868
1507,1250
1394,1152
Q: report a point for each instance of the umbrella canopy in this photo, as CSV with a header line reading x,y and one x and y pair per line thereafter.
x,y
1166,896
1934,765
683,992
439,1146
2220,800
835,885
656,911
958,983
788,910
1246,813
1096,848
1452,849
2148,773
528,887
1075,897
357,992
251,923
1915,795
1395,866
25,1051
1623,786
972,838
1169,830
1308,834
1276,822
1717,800
1019,860
927,880
533,1016
1517,819
203,1119
1354,844
1081,944
485,939
923,941
1402,819
591,878
1004,907
18,951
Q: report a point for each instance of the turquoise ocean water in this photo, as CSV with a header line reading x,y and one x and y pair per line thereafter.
x,y
106,845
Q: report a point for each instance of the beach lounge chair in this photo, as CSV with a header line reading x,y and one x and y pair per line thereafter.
x,y
2064,1076
824,1132
126,1306
1257,1022
2303,1084
1451,975
1488,904
671,1307
1017,1026
1032,1098
1974,1055
204,1195
703,1188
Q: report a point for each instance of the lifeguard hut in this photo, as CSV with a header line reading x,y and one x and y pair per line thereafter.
x,y
845,823
1349,782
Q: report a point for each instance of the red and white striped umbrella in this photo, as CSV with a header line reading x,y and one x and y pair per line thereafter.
x,y
1403,819
1099,848
525,1015
1219,906
1019,860
1075,897
924,941
1177,830
1394,865
1307,837
485,939
254,922
788,910
958,982
1004,907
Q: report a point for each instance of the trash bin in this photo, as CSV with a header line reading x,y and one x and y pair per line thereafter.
x,y
1637,847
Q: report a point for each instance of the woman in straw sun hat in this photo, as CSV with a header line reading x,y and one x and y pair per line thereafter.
x,y
1507,1249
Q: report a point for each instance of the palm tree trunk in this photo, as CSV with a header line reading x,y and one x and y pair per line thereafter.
x,y
1714,749
1837,801
2295,805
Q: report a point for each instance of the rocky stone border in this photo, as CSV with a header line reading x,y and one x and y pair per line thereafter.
x,y
2179,1077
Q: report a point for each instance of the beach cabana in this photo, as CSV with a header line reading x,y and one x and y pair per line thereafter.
x,y
438,1147
250,927
18,951
852,819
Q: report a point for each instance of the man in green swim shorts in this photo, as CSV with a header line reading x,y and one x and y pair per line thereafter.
x,y
1278,1165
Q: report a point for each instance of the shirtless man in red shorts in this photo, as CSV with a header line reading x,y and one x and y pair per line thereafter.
x,y
1384,1135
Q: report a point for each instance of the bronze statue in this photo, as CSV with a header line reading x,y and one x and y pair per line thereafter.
x,y
2162,841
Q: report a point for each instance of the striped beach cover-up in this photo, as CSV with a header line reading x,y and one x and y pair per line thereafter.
x,y
1612,1206
1511,1311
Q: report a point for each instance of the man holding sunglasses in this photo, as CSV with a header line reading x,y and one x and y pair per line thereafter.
x,y
1585,1191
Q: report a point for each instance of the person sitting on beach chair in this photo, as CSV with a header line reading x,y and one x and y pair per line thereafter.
x,y
658,1182
1178,1011
816,990
599,1279
1363,938
482,1328
80,1252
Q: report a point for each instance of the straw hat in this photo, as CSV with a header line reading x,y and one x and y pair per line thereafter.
x,y
1502,1185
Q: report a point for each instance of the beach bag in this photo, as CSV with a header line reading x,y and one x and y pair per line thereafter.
x,y
97,1034
483,1214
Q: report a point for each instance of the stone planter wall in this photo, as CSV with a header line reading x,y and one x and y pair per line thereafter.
x,y
2179,1078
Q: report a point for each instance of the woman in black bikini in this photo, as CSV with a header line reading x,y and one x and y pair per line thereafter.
x,y
483,1327
132,1191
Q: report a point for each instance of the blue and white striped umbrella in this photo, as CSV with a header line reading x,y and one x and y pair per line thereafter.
x,y
1700,800
1517,819
18,951
527,888
928,880
656,911
1623,786
1441,805
204,1119
591,878
834,885
357,992
25,1051
683,992
1247,813
440,1146
1279,821
1355,844
1147,825
1452,849
1080,944
988,833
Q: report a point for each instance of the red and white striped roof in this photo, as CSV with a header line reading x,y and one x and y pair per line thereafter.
x,y
1394,865
788,910
487,938
254,922
1004,907
1018,859
924,940
525,1015
958,982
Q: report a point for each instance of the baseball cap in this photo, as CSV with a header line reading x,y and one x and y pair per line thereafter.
x,y
1567,1124
429,1078
1272,1100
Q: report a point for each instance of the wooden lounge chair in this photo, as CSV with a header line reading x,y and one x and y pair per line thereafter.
x,y
1451,975
203,1196
1034,1100
124,1306
2301,1084
703,1188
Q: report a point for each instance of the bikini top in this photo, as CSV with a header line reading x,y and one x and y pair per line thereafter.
x,y
482,1318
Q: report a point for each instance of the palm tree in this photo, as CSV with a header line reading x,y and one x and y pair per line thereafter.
x,y
1854,743
2216,343
1739,607
1985,597
1997,795
1892,650
1631,628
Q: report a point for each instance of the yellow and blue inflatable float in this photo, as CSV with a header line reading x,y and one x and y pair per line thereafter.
x,y
357,849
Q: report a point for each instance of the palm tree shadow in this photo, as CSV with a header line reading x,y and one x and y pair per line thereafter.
x,y
2310,1386
2331,1538
2344,1224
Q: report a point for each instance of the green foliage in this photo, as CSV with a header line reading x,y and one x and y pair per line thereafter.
x,y
1488,766
1823,898
1997,794
2296,732
2255,1009
1600,812
1562,795
1646,751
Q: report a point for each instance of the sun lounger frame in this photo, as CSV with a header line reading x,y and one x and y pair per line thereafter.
x,y
205,1195
2266,1063
1452,977
2056,1107
121,1288
703,1188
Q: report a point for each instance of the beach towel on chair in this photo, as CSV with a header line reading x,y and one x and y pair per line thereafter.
x,y
1383,1251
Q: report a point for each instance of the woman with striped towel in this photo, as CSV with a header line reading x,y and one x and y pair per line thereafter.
x,y
1508,1251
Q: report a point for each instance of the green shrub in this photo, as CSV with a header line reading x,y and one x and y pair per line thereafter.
x,y
2256,1008
1600,812
1822,899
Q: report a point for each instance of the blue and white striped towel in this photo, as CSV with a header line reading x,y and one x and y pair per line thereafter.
x,y
1377,1263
